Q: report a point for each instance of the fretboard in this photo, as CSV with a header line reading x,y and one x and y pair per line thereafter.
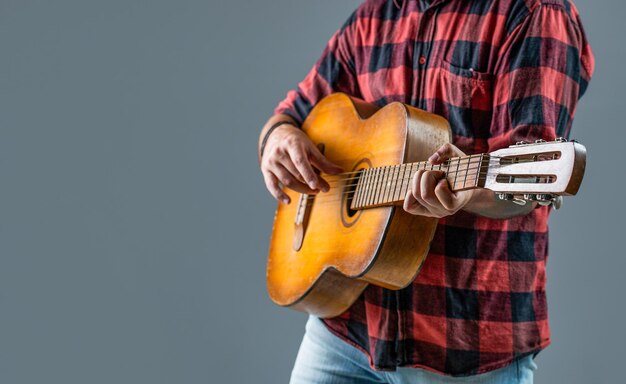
x,y
390,184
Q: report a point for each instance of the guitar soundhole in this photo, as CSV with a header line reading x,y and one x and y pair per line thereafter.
x,y
350,216
350,190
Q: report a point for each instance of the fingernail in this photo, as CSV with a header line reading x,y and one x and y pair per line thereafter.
x,y
325,189
434,157
285,200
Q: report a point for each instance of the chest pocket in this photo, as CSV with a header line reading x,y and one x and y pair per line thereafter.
x,y
463,95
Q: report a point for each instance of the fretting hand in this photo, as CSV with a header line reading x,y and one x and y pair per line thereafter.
x,y
430,194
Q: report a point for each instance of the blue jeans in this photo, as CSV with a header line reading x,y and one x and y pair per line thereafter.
x,y
326,359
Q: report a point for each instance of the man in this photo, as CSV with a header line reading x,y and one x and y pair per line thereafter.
x,y
500,71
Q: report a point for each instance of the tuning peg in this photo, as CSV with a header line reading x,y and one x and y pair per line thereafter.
x,y
547,199
530,197
505,196
560,140
521,143
539,141
519,200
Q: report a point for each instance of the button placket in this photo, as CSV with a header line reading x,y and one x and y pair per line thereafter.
x,y
423,45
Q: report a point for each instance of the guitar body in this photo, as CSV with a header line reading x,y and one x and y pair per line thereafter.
x,y
322,263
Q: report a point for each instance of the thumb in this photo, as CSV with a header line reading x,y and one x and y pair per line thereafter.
x,y
323,164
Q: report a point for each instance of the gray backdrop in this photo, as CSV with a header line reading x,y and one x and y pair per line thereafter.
x,y
133,220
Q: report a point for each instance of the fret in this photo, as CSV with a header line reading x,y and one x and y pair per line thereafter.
x,y
413,172
484,165
357,190
370,181
360,188
456,173
476,170
390,184
469,164
404,181
375,186
384,185
372,184
396,173
400,179
370,177
368,186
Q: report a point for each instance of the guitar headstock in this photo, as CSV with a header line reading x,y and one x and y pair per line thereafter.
x,y
541,171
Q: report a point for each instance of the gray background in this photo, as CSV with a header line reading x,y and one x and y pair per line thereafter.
x,y
133,220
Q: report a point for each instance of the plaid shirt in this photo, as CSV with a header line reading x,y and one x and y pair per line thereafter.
x,y
500,71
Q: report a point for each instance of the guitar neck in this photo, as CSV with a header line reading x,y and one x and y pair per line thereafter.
x,y
389,185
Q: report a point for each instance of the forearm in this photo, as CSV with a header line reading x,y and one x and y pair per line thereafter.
x,y
485,203
272,120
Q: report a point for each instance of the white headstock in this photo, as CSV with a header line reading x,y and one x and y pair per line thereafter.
x,y
536,171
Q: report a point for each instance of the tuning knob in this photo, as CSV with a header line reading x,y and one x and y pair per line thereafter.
x,y
505,196
560,140
547,199
521,143
530,197
519,200
539,141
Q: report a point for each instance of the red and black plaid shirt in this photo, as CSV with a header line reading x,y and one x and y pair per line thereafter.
x,y
500,71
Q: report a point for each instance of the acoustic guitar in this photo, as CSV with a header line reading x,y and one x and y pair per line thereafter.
x,y
326,248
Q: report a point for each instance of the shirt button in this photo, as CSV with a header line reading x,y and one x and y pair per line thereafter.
x,y
422,60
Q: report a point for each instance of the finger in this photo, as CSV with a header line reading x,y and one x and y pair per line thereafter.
x,y
288,164
412,206
323,164
305,169
289,180
416,188
428,182
445,152
447,198
271,182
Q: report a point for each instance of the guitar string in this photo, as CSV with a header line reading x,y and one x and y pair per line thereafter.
x,y
334,197
323,198
395,173
394,170
336,179
390,192
385,177
464,160
372,186
391,178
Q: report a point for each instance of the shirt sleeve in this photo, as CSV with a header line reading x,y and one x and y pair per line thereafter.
x,y
333,72
544,68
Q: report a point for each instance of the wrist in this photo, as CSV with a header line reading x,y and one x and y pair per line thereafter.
x,y
272,129
484,203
